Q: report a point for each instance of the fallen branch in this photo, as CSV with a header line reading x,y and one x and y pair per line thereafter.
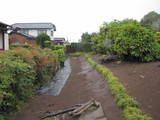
x,y
75,110
84,107
60,112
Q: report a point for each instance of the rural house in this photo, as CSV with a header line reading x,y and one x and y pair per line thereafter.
x,y
60,41
34,29
21,38
4,42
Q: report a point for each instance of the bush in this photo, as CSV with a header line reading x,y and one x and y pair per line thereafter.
x,y
15,79
128,39
57,47
41,39
47,44
136,43
21,69
59,50
21,45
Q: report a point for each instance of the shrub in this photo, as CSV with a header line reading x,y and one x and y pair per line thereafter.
x,y
41,38
128,39
21,69
57,47
21,45
136,43
47,44
15,78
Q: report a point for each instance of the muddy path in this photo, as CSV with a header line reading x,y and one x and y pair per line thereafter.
x,y
83,84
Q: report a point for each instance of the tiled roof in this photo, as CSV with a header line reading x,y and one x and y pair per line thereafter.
x,y
3,24
34,25
59,39
26,35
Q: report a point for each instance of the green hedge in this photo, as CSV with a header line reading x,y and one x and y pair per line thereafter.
x,y
21,45
123,100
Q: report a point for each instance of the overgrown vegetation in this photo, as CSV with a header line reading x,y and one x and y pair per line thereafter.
x,y
42,38
124,101
128,39
23,68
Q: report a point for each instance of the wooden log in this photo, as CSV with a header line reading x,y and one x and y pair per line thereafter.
x,y
84,107
60,112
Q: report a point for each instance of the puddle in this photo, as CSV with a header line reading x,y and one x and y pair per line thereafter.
x,y
55,86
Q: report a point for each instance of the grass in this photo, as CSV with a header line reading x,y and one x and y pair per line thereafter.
x,y
128,103
76,54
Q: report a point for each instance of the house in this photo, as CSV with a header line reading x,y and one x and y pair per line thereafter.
x,y
34,29
60,41
4,42
21,38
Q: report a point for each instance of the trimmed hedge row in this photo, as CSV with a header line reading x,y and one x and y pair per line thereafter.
x,y
123,100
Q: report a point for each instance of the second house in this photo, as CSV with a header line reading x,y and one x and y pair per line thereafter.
x,y
26,32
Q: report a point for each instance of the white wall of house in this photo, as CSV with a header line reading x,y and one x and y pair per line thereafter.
x,y
49,32
6,41
33,32
1,41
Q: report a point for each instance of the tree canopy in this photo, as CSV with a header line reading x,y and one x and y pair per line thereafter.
x,y
152,21
41,39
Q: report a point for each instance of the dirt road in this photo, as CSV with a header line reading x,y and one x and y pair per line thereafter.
x,y
142,81
83,84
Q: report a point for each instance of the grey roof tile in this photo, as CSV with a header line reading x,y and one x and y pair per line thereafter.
x,y
34,25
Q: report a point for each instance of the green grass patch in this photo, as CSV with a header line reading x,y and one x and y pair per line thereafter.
x,y
123,100
76,54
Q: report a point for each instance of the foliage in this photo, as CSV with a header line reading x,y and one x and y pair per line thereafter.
x,y
76,54
57,47
85,43
128,39
47,44
23,68
21,45
98,43
41,38
132,113
126,102
151,21
60,51
86,37
157,36
134,42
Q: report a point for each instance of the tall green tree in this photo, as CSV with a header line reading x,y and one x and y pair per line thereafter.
x,y
86,37
85,43
151,21
41,39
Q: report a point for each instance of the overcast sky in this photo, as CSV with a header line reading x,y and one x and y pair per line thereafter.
x,y
73,17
